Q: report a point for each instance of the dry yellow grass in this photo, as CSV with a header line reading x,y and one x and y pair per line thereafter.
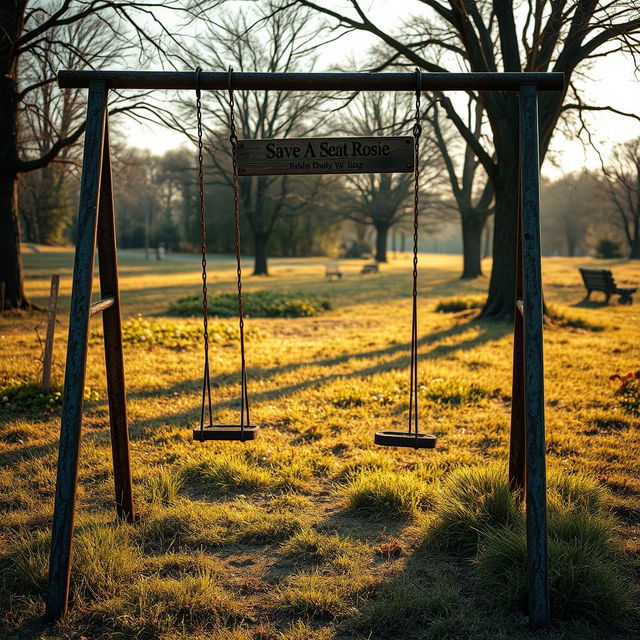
x,y
320,387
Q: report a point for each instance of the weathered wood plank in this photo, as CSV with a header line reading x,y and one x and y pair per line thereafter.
x,y
307,156
71,422
314,81
112,328
536,491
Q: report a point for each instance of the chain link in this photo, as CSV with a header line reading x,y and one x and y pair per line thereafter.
x,y
413,385
206,382
233,139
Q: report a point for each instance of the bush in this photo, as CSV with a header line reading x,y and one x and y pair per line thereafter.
x,y
453,305
258,304
607,248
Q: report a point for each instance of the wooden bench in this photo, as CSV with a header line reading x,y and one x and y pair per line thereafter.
x,y
602,280
332,271
370,267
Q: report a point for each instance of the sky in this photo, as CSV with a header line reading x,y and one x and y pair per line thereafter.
x,y
611,82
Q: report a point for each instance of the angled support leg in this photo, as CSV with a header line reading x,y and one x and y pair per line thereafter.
x,y
66,482
536,488
111,322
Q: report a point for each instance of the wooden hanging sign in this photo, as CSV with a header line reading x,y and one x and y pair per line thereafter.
x,y
303,156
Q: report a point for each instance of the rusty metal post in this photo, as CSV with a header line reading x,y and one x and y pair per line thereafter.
x,y
47,360
66,482
111,322
536,491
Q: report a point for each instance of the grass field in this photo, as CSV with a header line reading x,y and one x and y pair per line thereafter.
x,y
312,532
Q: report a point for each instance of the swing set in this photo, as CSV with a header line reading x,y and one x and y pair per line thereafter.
x,y
96,226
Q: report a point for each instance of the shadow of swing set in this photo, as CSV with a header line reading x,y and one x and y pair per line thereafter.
x,y
96,226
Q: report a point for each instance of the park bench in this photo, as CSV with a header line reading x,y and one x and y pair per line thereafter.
x,y
370,267
602,280
332,271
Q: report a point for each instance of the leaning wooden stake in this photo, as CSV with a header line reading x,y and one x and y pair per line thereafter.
x,y
51,327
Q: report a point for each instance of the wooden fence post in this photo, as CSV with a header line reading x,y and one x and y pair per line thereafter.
x,y
51,328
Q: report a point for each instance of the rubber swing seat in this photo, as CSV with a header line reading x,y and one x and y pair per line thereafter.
x,y
226,432
405,439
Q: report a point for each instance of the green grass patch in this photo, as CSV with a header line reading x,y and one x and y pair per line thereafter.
x,y
454,392
163,488
460,303
157,606
193,525
412,602
257,304
313,546
388,494
22,394
317,595
473,501
175,335
226,471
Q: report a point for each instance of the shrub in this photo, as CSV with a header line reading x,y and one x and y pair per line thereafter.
x,y
608,248
628,393
258,304
453,305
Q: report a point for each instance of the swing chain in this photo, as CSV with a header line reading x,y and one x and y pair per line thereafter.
x,y
413,386
206,382
233,139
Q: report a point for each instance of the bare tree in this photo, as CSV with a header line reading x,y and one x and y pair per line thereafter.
x,y
572,205
622,181
246,41
41,124
563,35
383,200
472,190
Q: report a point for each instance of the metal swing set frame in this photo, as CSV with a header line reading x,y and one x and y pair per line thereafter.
x,y
96,227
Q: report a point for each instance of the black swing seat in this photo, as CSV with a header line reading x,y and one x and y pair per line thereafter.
x,y
226,432
405,439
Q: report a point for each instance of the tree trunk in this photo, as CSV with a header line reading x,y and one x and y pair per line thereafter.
x,y
500,302
10,258
635,249
472,225
382,230
260,261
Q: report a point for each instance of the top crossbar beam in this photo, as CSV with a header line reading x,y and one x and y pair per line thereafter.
x,y
312,81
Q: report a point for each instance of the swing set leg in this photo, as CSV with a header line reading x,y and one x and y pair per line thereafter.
x,y
96,218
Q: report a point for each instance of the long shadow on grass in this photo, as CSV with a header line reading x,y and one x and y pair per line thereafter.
x,y
490,333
